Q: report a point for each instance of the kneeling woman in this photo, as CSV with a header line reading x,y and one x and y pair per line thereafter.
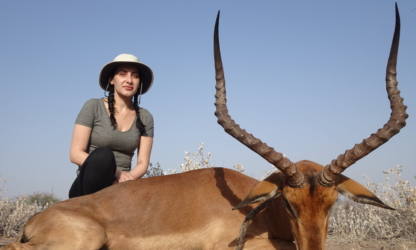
x,y
108,130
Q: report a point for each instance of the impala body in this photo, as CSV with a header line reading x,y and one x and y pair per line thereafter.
x,y
217,208
192,210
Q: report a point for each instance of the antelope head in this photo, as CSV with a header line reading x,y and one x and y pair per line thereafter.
x,y
308,189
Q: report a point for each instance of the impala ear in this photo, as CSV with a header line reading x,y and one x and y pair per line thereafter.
x,y
265,190
358,193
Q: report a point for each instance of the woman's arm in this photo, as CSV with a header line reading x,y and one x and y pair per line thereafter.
x,y
143,158
80,138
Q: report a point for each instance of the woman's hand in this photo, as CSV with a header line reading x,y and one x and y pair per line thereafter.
x,y
122,176
145,147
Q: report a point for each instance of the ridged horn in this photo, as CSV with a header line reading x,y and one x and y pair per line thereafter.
x,y
396,122
294,176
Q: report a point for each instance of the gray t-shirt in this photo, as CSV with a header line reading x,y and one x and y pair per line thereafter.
x,y
95,115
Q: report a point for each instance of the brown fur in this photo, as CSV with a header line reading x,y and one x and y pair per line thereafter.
x,y
192,210
307,208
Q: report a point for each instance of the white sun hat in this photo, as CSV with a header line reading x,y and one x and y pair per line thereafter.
x,y
146,74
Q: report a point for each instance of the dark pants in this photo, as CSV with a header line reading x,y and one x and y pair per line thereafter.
x,y
96,173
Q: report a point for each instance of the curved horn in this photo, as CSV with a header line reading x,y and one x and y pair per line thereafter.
x,y
295,177
397,120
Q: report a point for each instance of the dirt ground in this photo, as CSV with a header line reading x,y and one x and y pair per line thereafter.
x,y
332,244
371,245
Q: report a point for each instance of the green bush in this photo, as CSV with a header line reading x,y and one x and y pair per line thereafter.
x,y
42,199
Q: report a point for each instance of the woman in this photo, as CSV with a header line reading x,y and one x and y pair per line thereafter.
x,y
108,130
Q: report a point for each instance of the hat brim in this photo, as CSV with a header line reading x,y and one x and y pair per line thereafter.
x,y
146,74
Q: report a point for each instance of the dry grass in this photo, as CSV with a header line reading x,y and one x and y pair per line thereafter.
x,y
14,213
351,222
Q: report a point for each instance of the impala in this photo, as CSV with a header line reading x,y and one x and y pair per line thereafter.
x,y
217,208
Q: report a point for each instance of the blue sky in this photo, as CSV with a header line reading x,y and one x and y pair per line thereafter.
x,y
305,77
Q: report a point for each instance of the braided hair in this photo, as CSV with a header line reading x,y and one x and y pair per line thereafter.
x,y
112,109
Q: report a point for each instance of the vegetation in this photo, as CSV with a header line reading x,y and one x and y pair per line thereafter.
x,y
353,222
15,212
153,171
42,199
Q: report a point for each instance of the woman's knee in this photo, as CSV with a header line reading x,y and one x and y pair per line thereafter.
x,y
102,154
101,157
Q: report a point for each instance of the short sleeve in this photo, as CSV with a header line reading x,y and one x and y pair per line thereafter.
x,y
86,115
148,122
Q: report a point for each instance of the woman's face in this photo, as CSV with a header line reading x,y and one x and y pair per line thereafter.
x,y
126,80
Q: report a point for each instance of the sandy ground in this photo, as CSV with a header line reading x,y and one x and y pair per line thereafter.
x,y
331,244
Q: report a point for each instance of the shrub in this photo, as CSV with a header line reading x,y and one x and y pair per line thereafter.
x,y
42,199
352,222
197,161
192,161
153,171
15,212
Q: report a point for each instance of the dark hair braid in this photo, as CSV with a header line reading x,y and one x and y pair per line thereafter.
x,y
111,108
139,123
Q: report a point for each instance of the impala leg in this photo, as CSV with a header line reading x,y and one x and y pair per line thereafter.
x,y
62,241
55,230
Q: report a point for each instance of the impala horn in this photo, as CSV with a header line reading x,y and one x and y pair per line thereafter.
x,y
397,120
294,175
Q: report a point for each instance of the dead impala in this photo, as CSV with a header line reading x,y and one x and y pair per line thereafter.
x,y
210,208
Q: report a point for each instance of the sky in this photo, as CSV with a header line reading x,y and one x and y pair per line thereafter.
x,y
306,77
